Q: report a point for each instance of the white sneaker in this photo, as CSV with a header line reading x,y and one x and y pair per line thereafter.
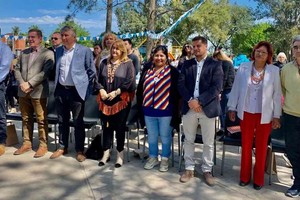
x,y
164,165
151,162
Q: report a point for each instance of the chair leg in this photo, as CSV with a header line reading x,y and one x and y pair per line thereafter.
x,y
127,135
144,147
55,136
172,151
270,169
215,152
181,156
223,160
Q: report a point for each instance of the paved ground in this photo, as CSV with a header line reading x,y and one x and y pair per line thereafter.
x,y
25,177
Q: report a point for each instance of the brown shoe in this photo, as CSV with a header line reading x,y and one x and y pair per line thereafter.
x,y
40,152
24,148
80,157
186,176
209,179
2,149
58,153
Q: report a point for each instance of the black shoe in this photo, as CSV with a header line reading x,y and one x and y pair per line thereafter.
x,y
220,132
117,165
102,163
257,187
243,184
292,192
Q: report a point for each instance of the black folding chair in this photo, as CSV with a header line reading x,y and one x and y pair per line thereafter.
x,y
230,138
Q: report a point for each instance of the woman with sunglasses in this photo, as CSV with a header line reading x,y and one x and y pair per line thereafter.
x,y
256,100
186,54
158,97
290,81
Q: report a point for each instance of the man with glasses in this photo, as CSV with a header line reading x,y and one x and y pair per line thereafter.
x,y
6,57
56,42
200,84
290,81
32,71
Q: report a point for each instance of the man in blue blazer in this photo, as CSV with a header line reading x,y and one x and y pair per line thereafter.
x,y
200,84
75,72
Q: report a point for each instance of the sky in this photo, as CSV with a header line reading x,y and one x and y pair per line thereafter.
x,y
47,14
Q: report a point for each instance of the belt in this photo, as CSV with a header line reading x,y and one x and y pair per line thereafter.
x,y
68,87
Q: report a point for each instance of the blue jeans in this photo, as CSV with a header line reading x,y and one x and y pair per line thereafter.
x,y
159,126
2,114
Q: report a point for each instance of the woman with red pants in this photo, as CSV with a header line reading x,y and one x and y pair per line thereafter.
x,y
256,99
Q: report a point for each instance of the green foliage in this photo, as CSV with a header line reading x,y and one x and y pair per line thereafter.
x,y
285,16
219,21
15,30
80,31
244,42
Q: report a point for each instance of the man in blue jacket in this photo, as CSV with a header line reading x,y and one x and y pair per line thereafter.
x,y
6,58
75,72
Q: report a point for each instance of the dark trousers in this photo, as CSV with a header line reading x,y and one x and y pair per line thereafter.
x,y
2,114
68,100
116,123
291,128
223,103
11,93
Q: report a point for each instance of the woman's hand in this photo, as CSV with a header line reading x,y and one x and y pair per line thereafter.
x,y
231,115
103,94
113,94
276,123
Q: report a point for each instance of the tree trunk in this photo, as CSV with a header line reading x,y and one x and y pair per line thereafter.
x,y
109,16
151,26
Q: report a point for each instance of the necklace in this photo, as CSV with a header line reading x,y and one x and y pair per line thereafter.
x,y
257,77
111,69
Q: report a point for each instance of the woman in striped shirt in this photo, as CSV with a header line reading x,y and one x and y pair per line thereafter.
x,y
158,97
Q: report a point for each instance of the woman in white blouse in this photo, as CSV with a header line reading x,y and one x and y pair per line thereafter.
x,y
256,100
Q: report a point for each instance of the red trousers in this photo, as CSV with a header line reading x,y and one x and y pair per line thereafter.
x,y
253,131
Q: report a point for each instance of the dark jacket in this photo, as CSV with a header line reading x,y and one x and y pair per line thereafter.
x,y
229,74
210,85
174,97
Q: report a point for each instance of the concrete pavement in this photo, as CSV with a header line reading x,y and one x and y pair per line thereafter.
x,y
25,177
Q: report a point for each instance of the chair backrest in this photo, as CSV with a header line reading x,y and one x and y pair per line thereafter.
x,y
91,108
278,140
51,107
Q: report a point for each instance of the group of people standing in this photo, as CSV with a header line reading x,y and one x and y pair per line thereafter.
x,y
194,95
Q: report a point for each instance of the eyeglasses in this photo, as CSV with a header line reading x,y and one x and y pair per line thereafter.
x,y
54,38
296,47
261,52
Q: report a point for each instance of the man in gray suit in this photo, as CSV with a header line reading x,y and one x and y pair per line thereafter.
x,y
32,71
75,72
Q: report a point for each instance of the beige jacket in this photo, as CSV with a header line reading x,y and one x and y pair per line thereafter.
x,y
36,74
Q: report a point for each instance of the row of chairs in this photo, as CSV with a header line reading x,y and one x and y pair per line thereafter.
x,y
92,118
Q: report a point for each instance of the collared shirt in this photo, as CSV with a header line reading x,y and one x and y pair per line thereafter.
x,y
6,56
65,77
253,101
34,54
199,69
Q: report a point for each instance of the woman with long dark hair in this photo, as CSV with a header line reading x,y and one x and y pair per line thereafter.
x,y
158,97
